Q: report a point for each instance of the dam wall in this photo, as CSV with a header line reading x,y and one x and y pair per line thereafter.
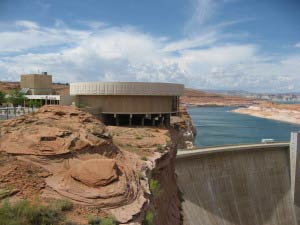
x,y
240,185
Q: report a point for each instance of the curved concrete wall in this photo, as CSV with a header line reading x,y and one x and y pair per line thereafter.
x,y
247,187
126,88
129,104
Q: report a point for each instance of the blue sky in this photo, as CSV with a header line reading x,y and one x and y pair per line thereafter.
x,y
249,45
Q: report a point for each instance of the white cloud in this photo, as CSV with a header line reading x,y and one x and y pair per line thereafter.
x,y
297,45
198,41
202,11
26,34
223,55
93,24
127,54
26,24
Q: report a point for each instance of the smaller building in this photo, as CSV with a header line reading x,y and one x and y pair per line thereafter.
x,y
38,90
36,84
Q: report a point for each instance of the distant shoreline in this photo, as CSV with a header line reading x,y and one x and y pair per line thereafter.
x,y
214,105
271,111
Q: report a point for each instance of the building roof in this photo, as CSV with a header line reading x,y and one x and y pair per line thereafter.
x,y
126,88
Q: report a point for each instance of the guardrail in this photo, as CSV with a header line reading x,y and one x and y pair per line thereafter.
x,y
10,112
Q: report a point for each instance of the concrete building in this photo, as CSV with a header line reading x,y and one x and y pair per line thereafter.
x,y
36,84
129,103
115,103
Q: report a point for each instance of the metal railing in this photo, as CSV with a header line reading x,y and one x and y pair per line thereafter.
x,y
11,112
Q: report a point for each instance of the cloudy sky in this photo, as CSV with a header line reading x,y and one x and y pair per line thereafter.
x,y
251,45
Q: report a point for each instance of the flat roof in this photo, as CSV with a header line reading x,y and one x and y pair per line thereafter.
x,y
45,97
126,88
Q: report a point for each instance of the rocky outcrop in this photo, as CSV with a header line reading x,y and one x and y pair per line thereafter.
x,y
186,131
61,152
52,131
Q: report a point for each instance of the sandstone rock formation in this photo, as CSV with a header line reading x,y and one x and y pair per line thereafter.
x,y
61,152
52,131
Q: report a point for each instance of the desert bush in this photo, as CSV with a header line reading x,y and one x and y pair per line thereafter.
x,y
94,220
160,148
140,175
64,205
108,221
169,143
69,223
144,158
149,218
102,221
26,213
154,187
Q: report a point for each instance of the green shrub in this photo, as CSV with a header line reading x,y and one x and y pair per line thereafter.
x,y
138,137
64,205
69,223
94,220
154,187
108,221
34,103
26,213
80,105
149,218
140,175
169,143
144,158
160,148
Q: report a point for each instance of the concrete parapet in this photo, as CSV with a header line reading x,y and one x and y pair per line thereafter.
x,y
295,167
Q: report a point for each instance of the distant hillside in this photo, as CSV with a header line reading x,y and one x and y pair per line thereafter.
x,y
201,98
8,86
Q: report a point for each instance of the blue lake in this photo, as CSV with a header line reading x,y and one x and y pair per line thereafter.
x,y
218,126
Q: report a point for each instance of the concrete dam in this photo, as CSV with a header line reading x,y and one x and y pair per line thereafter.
x,y
240,185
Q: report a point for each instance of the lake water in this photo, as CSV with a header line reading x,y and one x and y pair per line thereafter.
x,y
218,126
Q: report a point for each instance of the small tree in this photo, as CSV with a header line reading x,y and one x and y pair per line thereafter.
x,y
34,103
2,98
16,98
